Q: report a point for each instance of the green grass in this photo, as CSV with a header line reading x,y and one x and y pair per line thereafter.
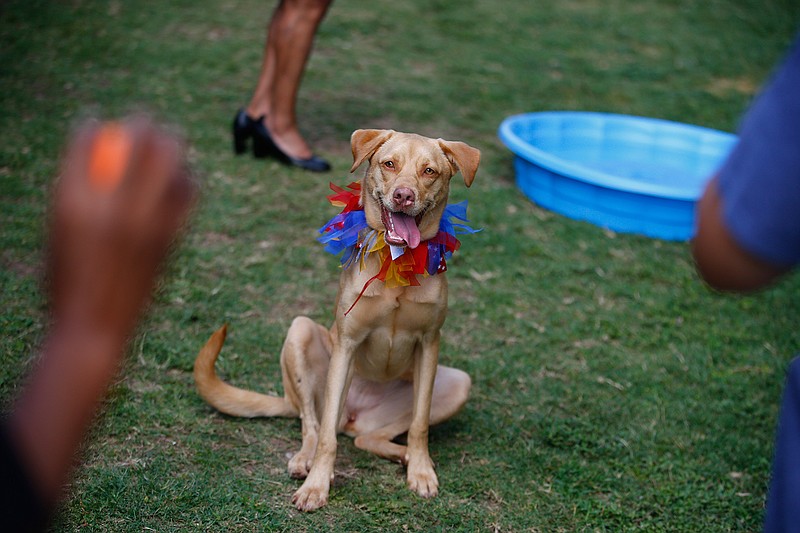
x,y
612,390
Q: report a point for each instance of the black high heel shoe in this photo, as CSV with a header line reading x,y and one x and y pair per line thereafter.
x,y
245,128
264,146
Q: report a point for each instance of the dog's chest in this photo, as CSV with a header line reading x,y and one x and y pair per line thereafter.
x,y
383,356
394,328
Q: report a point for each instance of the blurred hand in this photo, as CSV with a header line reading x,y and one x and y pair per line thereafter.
x,y
124,192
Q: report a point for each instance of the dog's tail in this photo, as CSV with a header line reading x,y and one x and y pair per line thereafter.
x,y
227,398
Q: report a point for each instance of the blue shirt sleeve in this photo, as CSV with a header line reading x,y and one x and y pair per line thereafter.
x,y
760,181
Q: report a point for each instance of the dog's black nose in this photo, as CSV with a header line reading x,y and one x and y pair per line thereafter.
x,y
403,197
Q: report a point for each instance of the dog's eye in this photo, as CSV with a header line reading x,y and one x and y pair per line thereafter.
x,y
389,164
429,171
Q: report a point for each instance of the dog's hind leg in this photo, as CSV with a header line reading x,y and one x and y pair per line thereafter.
x,y
380,412
304,363
380,442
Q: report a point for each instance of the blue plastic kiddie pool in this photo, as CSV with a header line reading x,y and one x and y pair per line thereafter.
x,y
629,174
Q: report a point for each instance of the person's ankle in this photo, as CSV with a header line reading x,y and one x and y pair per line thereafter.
x,y
255,113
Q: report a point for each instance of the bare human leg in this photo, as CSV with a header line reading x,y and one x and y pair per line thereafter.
x,y
289,41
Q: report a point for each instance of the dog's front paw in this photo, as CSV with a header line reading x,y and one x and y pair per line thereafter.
x,y
311,496
422,477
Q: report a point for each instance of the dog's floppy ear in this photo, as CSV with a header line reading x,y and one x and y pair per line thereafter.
x,y
463,156
364,143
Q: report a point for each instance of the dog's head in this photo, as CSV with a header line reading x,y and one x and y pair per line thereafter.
x,y
406,185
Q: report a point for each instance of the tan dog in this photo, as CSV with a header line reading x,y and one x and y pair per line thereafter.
x,y
378,363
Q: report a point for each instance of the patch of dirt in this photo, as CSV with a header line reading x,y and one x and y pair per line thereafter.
x,y
724,86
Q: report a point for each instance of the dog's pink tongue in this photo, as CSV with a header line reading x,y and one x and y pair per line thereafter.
x,y
406,228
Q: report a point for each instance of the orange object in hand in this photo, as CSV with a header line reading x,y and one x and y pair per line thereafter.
x,y
109,157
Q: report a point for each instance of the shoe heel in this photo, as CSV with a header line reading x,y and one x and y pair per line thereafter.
x,y
241,131
239,144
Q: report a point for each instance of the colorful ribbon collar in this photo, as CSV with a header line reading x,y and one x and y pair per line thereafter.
x,y
348,232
